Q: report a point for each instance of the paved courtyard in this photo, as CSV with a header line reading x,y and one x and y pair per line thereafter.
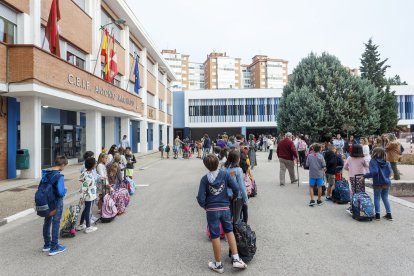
x,y
162,233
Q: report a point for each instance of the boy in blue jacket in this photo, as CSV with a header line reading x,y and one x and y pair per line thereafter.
x,y
212,196
57,180
380,172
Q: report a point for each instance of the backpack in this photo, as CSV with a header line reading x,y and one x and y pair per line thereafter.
x,y
222,234
131,185
109,210
67,226
341,194
246,241
121,198
302,145
45,196
248,183
362,207
254,189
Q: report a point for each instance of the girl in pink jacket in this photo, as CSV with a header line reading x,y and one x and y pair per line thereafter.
x,y
356,164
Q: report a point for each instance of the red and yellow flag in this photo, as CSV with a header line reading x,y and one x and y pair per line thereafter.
x,y
105,54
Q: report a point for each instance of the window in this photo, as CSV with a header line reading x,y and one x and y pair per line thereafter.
x,y
117,80
105,19
75,56
7,31
133,48
150,100
80,3
150,66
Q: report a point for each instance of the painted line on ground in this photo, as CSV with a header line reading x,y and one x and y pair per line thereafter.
x,y
141,185
19,215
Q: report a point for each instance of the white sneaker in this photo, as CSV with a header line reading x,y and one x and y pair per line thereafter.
x,y
80,227
91,229
239,264
94,219
218,269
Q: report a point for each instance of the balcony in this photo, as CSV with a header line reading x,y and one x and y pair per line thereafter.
x,y
161,116
161,91
30,64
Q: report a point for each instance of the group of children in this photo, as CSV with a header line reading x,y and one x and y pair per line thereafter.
x,y
329,163
224,194
97,178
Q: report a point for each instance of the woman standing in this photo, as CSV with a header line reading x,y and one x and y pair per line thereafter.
x,y
252,151
271,148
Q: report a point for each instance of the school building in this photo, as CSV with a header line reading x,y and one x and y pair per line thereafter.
x,y
61,105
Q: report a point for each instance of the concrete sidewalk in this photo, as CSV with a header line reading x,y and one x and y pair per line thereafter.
x,y
17,195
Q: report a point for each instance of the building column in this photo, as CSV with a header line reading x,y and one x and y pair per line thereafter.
x,y
125,128
164,134
157,139
31,135
94,131
143,136
109,132
94,10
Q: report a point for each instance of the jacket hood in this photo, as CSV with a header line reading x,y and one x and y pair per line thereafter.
x,y
382,163
212,178
48,174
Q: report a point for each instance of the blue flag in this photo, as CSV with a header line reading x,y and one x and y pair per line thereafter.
x,y
137,84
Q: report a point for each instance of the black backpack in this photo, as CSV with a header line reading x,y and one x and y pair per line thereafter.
x,y
246,241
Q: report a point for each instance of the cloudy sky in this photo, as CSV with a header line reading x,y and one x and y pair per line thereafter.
x,y
288,29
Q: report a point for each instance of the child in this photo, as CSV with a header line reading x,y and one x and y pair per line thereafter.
x,y
355,164
222,158
212,196
86,155
217,151
233,168
317,168
103,178
380,172
175,151
161,149
88,195
331,163
130,159
247,180
51,245
167,150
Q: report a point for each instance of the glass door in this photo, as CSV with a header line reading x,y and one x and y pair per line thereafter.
x,y
47,156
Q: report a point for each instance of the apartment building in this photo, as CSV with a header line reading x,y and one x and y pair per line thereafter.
x,y
195,75
222,72
60,105
268,72
246,76
180,65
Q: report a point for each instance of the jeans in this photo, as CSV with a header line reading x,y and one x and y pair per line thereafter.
x,y
289,165
86,214
205,152
301,157
270,154
214,218
55,223
395,170
378,194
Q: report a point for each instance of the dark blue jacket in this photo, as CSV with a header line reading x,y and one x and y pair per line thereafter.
x,y
214,195
59,184
207,143
379,171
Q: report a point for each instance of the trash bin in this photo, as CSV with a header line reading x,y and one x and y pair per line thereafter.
x,y
22,159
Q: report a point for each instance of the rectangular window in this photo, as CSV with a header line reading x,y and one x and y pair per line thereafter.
x,y
80,3
75,56
106,19
7,31
150,100
117,80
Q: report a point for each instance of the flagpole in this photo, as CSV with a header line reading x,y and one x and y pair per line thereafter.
x,y
99,51
130,71
110,79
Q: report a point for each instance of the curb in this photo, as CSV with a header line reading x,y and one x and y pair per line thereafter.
x,y
400,201
69,198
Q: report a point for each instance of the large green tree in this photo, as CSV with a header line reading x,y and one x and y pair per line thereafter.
x,y
374,69
323,98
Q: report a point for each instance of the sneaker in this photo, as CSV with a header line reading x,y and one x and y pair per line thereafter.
x,y
377,216
91,229
328,198
239,263
218,269
282,185
388,216
81,227
294,181
319,202
312,203
349,210
46,248
94,219
57,249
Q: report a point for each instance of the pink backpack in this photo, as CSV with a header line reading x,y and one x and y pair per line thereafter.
x,y
222,234
121,198
109,210
248,183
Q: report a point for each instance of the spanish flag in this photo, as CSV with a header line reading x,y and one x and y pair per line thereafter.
x,y
105,55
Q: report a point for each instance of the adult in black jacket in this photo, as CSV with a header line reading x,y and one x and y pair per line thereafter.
x,y
330,160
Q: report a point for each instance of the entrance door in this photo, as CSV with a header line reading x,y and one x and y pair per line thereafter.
x,y
150,137
160,134
47,151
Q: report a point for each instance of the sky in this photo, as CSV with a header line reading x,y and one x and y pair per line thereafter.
x,y
288,29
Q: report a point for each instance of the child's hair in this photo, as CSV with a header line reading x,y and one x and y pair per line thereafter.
x,y
112,149
88,154
128,148
332,148
364,141
223,153
121,151
239,137
357,151
316,147
243,165
113,170
379,153
101,157
211,162
61,161
233,159
90,163
117,157
217,150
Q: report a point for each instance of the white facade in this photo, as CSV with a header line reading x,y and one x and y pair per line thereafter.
x,y
175,62
274,74
246,77
196,75
225,73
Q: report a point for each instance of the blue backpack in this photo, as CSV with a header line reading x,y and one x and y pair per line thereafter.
x,y
362,207
45,197
341,194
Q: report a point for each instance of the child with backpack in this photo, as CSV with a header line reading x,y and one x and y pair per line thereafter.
x,y
380,172
56,181
88,195
317,168
331,164
232,166
131,160
167,150
161,148
213,197
102,186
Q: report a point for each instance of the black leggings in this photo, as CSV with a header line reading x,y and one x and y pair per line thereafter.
x,y
270,154
86,214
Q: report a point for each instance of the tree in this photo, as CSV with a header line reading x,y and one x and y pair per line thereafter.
x,y
323,96
373,69
396,80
